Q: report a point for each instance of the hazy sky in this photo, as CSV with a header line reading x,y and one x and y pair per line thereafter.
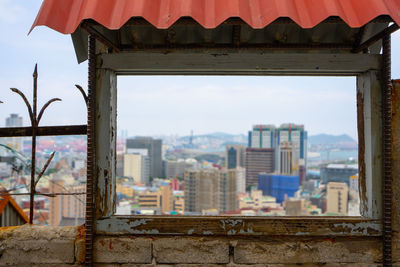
x,y
166,105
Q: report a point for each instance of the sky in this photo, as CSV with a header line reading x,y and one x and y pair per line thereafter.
x,y
161,105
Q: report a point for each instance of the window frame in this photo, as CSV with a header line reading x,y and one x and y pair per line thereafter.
x,y
367,69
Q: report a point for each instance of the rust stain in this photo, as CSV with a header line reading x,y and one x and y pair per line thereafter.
x,y
110,247
330,239
361,150
79,242
81,231
102,242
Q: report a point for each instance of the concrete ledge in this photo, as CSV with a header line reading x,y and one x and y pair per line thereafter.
x,y
28,245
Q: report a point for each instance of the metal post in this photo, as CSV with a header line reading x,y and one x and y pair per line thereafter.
x,y
90,151
33,163
387,152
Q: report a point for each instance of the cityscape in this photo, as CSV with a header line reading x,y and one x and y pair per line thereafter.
x,y
270,171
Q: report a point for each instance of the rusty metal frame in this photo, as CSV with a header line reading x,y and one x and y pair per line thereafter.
x,y
34,131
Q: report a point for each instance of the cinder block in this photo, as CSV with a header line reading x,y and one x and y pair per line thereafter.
x,y
308,251
190,250
122,250
29,252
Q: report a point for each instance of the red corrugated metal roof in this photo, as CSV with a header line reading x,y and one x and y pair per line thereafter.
x,y
66,15
4,200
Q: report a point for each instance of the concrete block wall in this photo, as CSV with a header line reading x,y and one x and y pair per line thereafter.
x,y
64,246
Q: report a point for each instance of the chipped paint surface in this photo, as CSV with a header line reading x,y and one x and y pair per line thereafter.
x,y
117,225
245,226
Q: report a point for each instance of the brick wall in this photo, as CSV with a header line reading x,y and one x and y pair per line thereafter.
x,y
64,246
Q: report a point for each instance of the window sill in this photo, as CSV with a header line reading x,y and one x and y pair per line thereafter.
x,y
239,226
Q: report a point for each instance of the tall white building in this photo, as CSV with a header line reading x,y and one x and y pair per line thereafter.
x,y
137,166
14,142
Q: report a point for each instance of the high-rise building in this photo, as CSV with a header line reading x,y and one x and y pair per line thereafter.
x,y
153,147
288,139
14,142
262,136
210,190
287,158
137,166
337,197
227,190
278,186
294,133
235,156
66,206
258,160
240,180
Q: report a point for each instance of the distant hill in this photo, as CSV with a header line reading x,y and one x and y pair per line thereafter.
x,y
327,139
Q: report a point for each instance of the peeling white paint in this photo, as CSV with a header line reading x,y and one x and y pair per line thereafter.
x,y
230,222
120,225
190,231
207,233
247,231
153,231
231,232
361,227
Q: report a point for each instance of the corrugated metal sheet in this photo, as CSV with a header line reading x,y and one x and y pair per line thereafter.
x,y
66,15
10,213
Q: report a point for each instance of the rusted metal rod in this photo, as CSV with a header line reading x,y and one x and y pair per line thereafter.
x,y
32,110
387,141
44,131
44,194
90,193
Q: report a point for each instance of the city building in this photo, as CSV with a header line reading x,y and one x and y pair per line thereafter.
x,y
179,202
240,179
278,186
339,173
159,201
354,196
337,198
137,166
153,147
295,207
177,168
294,133
211,189
15,143
256,200
288,158
258,160
201,190
227,191
262,136
68,206
235,156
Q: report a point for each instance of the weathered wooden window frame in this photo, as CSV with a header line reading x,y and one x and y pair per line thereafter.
x,y
367,69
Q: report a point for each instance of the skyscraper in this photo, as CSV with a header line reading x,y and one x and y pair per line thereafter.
x,y
210,189
235,156
262,136
288,139
153,147
14,142
258,160
296,135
